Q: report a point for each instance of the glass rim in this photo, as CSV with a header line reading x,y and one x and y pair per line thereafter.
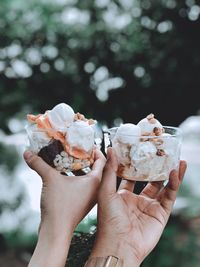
x,y
178,133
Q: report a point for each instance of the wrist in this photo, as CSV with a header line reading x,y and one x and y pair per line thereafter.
x,y
55,235
115,246
57,231
52,247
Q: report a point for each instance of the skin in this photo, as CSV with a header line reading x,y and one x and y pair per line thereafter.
x,y
65,200
130,225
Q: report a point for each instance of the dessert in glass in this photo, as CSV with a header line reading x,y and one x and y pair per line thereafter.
x,y
147,151
63,139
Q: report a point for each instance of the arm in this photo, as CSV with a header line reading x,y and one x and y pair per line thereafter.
x,y
130,225
52,248
65,200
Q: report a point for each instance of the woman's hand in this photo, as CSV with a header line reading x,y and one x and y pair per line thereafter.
x,y
130,225
65,200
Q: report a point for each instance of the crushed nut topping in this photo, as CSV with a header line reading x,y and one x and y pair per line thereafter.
x,y
79,116
160,152
91,121
146,134
157,131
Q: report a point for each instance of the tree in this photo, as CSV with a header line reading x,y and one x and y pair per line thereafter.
x,y
108,59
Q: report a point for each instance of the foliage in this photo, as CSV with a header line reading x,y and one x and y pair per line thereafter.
x,y
88,225
109,59
8,161
8,157
178,247
19,240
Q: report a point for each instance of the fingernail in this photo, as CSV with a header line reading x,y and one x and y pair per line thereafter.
x,y
28,154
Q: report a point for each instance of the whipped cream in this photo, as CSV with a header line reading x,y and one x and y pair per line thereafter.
x,y
80,134
61,116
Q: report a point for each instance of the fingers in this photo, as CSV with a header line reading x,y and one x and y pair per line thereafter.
x,y
37,164
182,169
99,163
109,178
127,185
152,189
168,196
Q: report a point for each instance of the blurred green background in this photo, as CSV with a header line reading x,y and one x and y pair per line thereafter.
x,y
115,61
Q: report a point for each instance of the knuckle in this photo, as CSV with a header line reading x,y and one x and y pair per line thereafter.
x,y
95,178
93,175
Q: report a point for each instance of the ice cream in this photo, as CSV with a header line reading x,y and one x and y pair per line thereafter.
x,y
61,116
127,135
150,125
65,140
37,138
80,134
146,151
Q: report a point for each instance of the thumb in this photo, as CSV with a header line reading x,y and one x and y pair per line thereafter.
x,y
37,164
98,165
109,179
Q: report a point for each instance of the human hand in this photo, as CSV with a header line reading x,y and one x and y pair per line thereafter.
x,y
130,225
65,200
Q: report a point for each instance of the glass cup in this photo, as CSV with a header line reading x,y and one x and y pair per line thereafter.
x,y
146,158
53,147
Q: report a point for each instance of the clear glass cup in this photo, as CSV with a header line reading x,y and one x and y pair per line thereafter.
x,y
53,148
146,158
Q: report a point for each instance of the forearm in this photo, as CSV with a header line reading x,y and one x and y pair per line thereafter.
x,y
51,249
104,247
